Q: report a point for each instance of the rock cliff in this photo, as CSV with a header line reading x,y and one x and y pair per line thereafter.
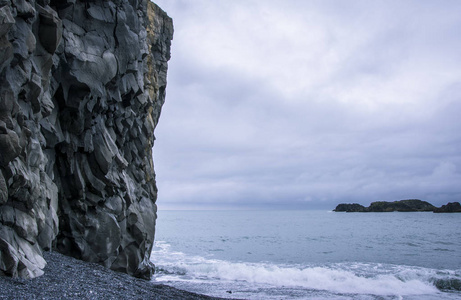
x,y
82,84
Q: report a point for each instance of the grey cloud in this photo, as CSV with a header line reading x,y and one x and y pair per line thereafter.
x,y
232,136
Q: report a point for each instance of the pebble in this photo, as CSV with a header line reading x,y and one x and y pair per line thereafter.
x,y
68,278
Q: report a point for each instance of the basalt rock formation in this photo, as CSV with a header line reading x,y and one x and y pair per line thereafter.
x,y
82,84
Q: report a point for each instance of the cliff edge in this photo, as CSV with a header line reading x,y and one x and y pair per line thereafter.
x,y
82,84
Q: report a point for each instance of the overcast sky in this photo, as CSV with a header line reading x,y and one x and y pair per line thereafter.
x,y
307,104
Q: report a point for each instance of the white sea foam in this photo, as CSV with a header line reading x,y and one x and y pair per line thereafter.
x,y
371,279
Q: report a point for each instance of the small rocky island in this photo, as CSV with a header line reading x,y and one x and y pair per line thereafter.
x,y
401,205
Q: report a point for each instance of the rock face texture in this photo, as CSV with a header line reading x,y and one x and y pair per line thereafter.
x,y
82,84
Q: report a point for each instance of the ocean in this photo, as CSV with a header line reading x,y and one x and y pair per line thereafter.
x,y
310,254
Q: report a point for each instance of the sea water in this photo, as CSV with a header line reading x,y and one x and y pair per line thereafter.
x,y
310,254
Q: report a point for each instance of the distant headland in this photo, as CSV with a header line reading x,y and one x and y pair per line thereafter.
x,y
401,205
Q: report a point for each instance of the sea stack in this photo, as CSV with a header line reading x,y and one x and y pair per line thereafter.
x,y
82,84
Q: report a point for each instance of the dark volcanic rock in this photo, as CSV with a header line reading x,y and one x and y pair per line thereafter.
x,y
82,84
354,207
451,207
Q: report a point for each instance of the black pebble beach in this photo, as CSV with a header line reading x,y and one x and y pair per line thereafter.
x,y
69,278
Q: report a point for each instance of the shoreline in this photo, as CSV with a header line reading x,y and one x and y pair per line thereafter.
x,y
69,278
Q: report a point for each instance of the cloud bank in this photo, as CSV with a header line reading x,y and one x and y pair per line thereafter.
x,y
305,104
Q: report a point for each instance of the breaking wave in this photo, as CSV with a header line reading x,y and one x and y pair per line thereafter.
x,y
340,278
